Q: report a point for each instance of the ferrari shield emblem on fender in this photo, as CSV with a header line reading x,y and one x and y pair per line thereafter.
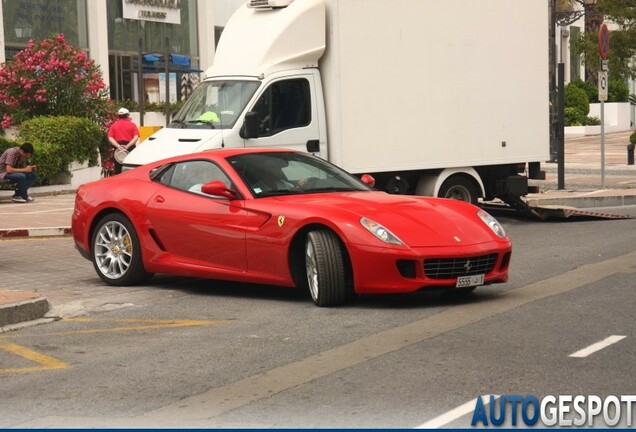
x,y
281,221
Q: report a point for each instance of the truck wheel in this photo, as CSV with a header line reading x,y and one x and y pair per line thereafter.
x,y
459,188
116,252
324,265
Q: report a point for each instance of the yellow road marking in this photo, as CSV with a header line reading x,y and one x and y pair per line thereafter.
x,y
45,362
49,363
148,324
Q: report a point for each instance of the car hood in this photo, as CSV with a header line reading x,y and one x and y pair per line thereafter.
x,y
417,221
169,142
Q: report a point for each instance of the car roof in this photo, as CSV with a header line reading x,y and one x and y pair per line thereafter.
x,y
227,152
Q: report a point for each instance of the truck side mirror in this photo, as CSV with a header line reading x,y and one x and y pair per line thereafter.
x,y
250,126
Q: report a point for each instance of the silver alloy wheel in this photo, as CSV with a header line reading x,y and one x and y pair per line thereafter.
x,y
113,250
311,268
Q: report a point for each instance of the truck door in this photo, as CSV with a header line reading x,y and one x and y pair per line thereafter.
x,y
287,114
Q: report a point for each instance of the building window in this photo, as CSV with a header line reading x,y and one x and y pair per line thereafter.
x,y
127,38
124,34
38,19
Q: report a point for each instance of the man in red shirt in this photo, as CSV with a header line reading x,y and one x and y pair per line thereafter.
x,y
123,134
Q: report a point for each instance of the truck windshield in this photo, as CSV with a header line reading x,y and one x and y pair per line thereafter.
x,y
215,105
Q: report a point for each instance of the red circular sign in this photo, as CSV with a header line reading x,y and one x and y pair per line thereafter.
x,y
603,42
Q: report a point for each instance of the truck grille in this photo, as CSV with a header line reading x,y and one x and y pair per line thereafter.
x,y
447,268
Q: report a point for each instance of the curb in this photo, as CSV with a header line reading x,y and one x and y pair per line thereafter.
x,y
35,232
22,311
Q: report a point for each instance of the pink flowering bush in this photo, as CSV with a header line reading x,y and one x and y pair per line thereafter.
x,y
52,78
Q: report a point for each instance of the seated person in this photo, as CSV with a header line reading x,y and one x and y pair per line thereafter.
x,y
14,169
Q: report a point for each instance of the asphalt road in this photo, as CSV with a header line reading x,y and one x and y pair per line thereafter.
x,y
193,353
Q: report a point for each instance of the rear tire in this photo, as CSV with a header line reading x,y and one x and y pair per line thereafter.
x,y
325,269
459,188
117,253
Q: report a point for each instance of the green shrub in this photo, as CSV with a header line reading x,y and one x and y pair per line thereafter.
x,y
590,90
573,117
632,138
58,141
576,98
6,143
617,91
592,121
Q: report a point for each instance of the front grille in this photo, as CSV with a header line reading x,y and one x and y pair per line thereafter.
x,y
447,268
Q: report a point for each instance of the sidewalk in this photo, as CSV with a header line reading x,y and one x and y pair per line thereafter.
x,y
50,214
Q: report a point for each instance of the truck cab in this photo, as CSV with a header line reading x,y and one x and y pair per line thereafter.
x,y
275,79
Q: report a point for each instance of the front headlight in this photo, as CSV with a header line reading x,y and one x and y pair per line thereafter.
x,y
380,232
492,223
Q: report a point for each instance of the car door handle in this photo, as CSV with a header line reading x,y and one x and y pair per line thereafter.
x,y
159,199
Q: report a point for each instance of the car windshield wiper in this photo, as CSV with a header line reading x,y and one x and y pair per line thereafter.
x,y
276,193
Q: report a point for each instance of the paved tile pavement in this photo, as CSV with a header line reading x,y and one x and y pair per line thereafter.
x,y
49,215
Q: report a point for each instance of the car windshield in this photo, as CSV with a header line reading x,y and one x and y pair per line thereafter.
x,y
214,105
286,173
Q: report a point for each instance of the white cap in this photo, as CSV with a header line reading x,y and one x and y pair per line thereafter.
x,y
123,111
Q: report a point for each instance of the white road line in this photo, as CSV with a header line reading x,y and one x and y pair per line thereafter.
x,y
597,346
454,414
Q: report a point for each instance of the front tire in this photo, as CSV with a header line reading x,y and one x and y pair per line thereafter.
x,y
325,268
117,253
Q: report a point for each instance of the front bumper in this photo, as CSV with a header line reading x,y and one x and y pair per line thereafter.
x,y
385,270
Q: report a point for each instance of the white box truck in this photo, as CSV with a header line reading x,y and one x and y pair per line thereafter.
x,y
431,97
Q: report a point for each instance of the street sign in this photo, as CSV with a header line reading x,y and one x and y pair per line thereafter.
x,y
602,85
603,41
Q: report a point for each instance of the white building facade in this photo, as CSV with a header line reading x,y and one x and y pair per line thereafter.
x,y
125,37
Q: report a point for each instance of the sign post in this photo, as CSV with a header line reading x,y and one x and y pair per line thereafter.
x,y
603,50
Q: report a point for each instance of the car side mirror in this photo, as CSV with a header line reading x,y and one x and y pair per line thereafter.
x,y
249,129
218,188
368,180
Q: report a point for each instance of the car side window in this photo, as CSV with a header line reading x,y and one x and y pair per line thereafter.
x,y
284,105
191,175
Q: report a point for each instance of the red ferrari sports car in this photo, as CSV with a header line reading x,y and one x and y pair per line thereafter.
x,y
281,217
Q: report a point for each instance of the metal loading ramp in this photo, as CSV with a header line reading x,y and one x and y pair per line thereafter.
x,y
548,212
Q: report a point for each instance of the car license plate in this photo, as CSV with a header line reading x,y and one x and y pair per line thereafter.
x,y
468,281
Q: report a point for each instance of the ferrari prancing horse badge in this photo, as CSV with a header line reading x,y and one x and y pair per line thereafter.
x,y
281,221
